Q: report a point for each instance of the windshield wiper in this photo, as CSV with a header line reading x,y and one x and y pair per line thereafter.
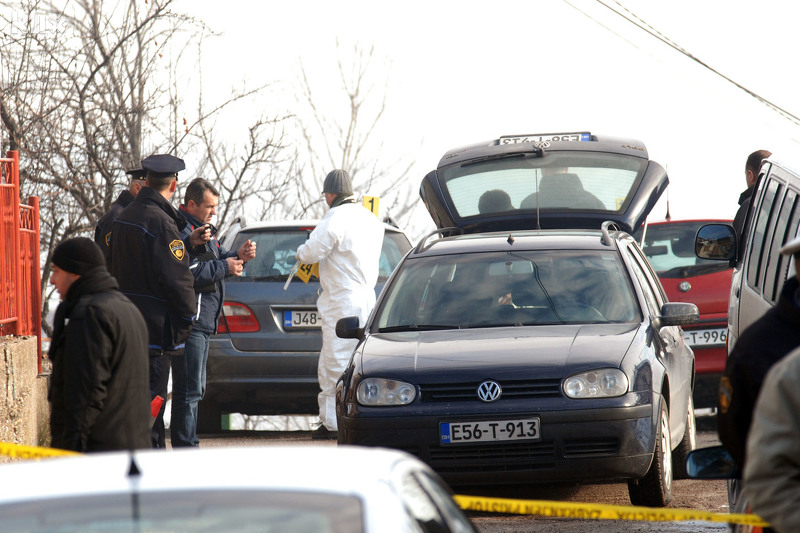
x,y
536,152
417,327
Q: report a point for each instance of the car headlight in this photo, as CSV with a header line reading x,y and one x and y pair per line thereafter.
x,y
603,383
377,391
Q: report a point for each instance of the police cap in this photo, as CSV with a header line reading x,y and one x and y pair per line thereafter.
x,y
792,247
136,173
163,165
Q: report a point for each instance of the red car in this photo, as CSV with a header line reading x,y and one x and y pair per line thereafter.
x,y
669,246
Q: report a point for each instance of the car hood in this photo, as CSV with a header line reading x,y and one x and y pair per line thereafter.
x,y
496,352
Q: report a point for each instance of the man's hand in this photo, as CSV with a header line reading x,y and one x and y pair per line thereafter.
x,y
247,251
200,236
505,300
235,266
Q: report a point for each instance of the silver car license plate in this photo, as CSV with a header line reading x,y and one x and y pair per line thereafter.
x,y
302,319
489,431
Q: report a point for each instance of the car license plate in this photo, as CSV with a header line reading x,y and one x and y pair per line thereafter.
x,y
302,319
489,431
706,337
513,139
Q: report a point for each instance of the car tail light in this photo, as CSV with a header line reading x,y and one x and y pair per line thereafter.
x,y
237,318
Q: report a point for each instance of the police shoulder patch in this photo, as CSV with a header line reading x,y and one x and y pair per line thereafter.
x,y
725,394
177,249
108,239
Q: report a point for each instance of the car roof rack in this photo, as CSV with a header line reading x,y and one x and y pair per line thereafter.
x,y
441,231
605,227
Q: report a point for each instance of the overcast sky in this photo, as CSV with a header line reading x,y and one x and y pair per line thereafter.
x,y
462,72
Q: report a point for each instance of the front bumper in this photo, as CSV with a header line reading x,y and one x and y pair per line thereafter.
x,y
576,446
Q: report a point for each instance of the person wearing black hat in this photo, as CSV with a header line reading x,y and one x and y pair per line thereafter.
x,y
347,245
99,388
102,233
151,262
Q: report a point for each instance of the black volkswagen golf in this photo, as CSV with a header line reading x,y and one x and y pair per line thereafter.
x,y
543,350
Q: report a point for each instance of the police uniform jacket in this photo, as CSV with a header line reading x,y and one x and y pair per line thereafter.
x,y
102,233
99,389
151,263
761,345
209,268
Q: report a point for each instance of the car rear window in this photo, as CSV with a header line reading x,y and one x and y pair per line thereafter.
x,y
559,180
670,250
276,250
188,511
509,289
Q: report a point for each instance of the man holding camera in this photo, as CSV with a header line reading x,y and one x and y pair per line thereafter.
x,y
210,264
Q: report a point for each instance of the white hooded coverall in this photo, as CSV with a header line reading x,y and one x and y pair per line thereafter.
x,y
347,245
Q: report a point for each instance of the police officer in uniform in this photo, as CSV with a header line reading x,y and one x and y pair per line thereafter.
x,y
151,263
102,233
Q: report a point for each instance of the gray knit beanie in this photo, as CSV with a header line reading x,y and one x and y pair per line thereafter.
x,y
338,182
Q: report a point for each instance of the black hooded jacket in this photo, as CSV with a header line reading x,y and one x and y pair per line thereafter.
x,y
99,389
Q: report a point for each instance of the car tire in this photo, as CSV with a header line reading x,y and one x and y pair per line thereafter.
x,y
687,444
655,488
209,417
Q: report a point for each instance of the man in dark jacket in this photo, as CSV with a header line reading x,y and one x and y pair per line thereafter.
x,y
150,260
210,265
751,169
99,391
102,233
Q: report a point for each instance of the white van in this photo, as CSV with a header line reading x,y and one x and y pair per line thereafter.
x,y
760,270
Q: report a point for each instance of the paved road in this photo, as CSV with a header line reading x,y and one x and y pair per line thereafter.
x,y
689,494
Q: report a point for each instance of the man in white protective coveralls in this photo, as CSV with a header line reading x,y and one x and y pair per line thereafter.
x,y
347,245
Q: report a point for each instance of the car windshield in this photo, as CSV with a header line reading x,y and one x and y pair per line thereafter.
x,y
191,511
558,180
508,289
670,250
276,248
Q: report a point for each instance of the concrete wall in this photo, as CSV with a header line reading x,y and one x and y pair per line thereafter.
x,y
24,410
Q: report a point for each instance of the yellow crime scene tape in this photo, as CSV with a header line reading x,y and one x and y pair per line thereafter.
x,y
32,452
592,511
304,272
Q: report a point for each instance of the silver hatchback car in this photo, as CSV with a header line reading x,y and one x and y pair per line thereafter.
x,y
263,359
319,489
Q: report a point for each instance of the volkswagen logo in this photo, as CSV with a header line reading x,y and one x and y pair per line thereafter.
x,y
542,144
489,391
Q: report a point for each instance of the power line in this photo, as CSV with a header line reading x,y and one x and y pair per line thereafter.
x,y
644,26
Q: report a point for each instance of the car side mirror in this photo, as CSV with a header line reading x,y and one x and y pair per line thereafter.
x,y
678,314
716,241
714,462
347,328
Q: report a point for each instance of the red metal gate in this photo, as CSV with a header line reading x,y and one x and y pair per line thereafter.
x,y
20,293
